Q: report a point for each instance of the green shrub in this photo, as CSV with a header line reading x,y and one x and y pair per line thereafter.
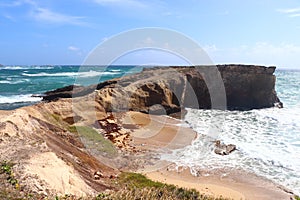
x,y
6,168
138,180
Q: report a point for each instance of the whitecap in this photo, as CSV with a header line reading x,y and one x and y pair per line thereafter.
x,y
71,74
18,99
13,82
26,67
5,82
115,70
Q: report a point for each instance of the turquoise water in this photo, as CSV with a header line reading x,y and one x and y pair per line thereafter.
x,y
19,83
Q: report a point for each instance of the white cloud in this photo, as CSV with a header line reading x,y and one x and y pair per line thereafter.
x,y
46,15
73,48
291,12
295,15
11,4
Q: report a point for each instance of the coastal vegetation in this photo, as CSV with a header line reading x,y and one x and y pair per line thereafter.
x,y
94,140
127,186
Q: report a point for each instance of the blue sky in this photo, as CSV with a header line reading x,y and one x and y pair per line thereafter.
x,y
263,32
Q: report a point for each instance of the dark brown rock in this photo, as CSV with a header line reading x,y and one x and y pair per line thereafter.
x,y
223,149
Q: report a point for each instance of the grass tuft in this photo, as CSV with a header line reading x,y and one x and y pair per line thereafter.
x,y
138,180
94,140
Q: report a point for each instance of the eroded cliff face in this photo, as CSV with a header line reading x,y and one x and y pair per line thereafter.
x,y
49,157
169,89
249,87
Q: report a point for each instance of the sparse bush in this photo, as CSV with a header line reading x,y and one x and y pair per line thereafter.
x,y
6,168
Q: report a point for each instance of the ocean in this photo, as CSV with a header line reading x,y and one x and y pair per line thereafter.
x,y
268,140
19,83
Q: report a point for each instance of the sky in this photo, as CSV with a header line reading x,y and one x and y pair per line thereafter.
x,y
42,32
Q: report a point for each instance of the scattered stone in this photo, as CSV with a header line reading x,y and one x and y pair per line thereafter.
x,y
223,149
278,104
98,175
113,176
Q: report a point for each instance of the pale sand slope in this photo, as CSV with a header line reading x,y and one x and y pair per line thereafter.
x,y
59,176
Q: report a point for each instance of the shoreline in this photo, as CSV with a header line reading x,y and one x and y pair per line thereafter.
x,y
237,185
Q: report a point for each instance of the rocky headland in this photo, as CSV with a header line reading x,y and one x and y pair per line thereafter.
x,y
79,139
240,87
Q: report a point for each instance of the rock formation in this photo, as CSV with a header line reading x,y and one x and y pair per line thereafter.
x,y
223,149
168,89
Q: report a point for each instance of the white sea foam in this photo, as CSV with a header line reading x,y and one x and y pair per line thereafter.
x,y
5,82
26,67
18,99
71,74
268,142
13,82
115,70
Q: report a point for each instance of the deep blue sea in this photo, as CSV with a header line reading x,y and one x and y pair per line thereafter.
x,y
268,140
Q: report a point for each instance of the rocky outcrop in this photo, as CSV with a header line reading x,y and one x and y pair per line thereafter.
x,y
223,149
166,90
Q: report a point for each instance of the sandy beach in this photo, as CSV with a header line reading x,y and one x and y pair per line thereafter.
x,y
161,132
236,185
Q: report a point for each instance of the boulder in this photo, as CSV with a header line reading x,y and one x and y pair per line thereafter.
x,y
223,149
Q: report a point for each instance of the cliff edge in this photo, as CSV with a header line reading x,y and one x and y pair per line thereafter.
x,y
168,89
